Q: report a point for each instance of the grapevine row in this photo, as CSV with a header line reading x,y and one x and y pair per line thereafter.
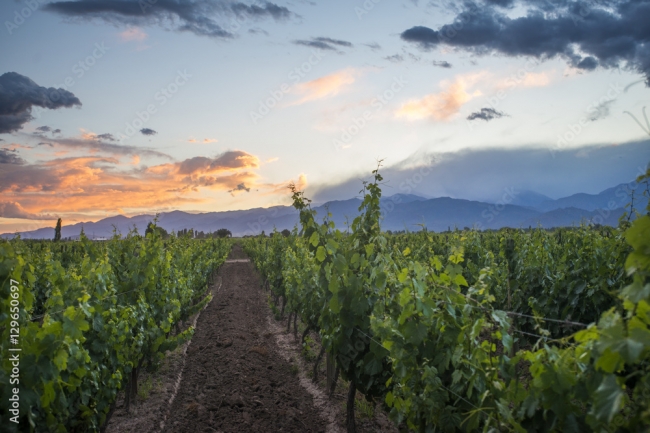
x,y
92,315
445,329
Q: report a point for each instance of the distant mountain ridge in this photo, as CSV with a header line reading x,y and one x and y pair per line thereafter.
x,y
400,212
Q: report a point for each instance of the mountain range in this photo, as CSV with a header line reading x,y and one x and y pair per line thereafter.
x,y
517,209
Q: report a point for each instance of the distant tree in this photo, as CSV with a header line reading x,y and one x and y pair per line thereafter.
x,y
152,228
57,231
223,233
286,233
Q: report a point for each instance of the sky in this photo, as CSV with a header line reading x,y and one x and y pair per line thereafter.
x,y
129,107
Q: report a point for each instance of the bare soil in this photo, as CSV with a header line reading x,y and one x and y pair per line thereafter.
x,y
235,380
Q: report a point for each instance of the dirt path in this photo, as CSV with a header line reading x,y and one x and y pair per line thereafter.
x,y
235,379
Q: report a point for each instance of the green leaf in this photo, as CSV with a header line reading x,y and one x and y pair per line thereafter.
x,y
607,399
380,281
314,239
320,253
48,394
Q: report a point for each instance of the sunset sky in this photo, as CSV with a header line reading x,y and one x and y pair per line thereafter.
x,y
128,107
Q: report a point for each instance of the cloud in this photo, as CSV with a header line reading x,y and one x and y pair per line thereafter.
x,y
15,210
106,136
56,131
201,17
395,58
133,34
322,43
529,79
445,104
484,174
601,110
94,183
18,94
258,31
147,131
8,156
240,187
325,87
441,64
373,46
92,143
486,114
44,129
586,34
204,141
226,161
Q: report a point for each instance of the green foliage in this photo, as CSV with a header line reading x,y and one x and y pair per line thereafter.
x,y
528,331
91,312
223,233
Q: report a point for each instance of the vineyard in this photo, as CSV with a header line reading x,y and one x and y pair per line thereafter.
x,y
87,317
510,330
466,331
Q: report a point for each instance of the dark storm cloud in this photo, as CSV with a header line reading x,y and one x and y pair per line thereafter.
x,y
324,43
10,157
267,10
201,17
147,131
484,174
486,114
587,34
18,94
442,64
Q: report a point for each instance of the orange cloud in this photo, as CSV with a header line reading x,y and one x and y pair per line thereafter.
x,y
445,104
204,141
325,87
529,79
94,185
133,34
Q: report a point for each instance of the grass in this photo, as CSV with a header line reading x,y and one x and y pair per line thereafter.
x,y
364,408
308,349
145,388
